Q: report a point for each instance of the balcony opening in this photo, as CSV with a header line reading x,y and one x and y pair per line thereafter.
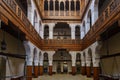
x,y
46,32
62,31
63,60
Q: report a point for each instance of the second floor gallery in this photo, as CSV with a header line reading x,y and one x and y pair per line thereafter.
x,y
59,39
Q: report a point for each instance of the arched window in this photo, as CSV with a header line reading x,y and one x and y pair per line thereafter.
x,y
56,5
35,19
84,29
40,26
62,6
34,54
62,31
51,4
77,5
46,56
45,63
46,5
77,32
67,5
46,32
78,57
72,6
89,19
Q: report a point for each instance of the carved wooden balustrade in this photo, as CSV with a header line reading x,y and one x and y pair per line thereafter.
x,y
10,11
54,44
62,15
110,15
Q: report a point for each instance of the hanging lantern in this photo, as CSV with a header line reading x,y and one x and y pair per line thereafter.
x,y
3,45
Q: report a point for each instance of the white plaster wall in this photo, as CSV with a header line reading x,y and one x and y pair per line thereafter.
x,y
94,17
31,8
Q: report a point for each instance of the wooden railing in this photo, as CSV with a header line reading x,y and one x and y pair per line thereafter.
x,y
109,16
62,44
10,11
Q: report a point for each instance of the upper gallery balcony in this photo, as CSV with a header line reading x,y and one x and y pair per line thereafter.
x,y
11,12
62,10
108,15
73,45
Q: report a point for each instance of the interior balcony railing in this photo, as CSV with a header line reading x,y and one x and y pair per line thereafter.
x,y
54,44
11,11
110,15
65,11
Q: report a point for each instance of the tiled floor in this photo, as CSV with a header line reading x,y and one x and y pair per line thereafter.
x,y
62,77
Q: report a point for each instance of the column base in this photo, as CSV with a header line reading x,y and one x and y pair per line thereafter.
x,y
96,71
73,70
50,70
36,71
83,70
41,70
88,70
29,73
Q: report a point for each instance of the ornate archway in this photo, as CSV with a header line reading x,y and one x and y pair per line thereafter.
x,y
61,61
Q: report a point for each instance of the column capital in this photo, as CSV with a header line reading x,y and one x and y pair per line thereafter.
x,y
72,26
50,62
36,62
73,62
29,63
41,63
83,63
88,63
96,63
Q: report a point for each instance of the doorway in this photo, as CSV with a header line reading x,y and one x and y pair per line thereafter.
x,y
65,67
59,67
62,61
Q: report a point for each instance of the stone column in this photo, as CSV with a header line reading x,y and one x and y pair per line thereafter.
x,y
29,59
41,64
51,26
50,57
36,67
83,68
72,31
50,67
73,67
73,56
41,68
96,60
96,70
88,63
29,70
88,68
83,65
36,62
